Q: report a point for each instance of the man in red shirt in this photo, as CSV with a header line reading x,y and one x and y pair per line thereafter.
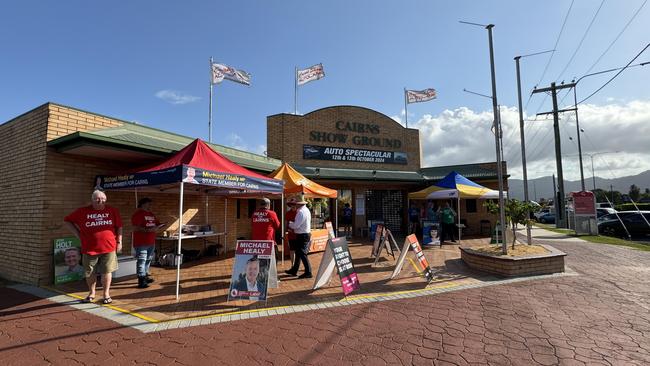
x,y
265,222
99,228
145,225
291,216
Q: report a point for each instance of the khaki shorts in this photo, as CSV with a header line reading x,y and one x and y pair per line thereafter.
x,y
100,263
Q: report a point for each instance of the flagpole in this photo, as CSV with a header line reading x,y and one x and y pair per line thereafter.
x,y
295,91
406,112
210,113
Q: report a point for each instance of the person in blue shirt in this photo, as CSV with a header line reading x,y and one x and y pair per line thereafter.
x,y
347,220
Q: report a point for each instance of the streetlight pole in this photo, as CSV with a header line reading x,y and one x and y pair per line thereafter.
x,y
591,156
575,106
497,134
523,141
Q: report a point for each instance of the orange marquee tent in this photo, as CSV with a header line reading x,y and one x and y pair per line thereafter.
x,y
295,182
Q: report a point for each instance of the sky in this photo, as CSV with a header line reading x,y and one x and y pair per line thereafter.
x,y
148,62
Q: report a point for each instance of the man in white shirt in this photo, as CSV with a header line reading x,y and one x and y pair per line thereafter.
x,y
302,227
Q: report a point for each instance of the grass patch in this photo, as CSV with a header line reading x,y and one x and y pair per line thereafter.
x,y
598,239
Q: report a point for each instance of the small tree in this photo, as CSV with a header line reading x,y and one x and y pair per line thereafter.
x,y
635,192
516,212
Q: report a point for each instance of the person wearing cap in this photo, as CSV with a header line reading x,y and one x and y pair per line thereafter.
x,y
301,225
265,222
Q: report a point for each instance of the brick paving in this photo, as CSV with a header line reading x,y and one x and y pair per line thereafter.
x,y
205,283
601,316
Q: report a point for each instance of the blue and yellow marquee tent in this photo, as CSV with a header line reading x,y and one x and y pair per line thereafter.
x,y
454,185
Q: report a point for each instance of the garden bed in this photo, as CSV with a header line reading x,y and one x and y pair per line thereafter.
x,y
524,260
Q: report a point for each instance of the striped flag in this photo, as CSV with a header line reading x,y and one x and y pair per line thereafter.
x,y
312,73
417,96
221,71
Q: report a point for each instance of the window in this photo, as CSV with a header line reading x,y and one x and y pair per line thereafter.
x,y
470,206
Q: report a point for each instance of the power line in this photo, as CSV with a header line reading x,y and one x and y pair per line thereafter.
x,y
617,37
581,40
557,40
617,74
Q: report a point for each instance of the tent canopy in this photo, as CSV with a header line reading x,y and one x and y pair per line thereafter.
x,y
196,164
298,183
454,185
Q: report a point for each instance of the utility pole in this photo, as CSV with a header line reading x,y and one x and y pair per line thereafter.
x,y
554,196
560,218
611,192
523,140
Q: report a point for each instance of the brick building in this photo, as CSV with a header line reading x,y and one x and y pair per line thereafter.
x,y
51,155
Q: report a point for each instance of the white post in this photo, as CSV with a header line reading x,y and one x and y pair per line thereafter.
x,y
225,226
210,114
295,93
406,111
282,229
460,230
336,214
180,233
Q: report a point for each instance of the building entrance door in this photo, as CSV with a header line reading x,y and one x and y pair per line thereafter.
x,y
345,214
387,206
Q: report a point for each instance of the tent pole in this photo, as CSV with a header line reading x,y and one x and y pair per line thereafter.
x,y
180,233
336,214
282,229
459,228
225,226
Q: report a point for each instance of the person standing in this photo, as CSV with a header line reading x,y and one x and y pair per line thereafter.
x,y
414,219
347,220
145,225
302,227
265,222
288,217
99,228
447,216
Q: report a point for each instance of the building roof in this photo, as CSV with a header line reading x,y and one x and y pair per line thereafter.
x,y
155,142
471,171
359,174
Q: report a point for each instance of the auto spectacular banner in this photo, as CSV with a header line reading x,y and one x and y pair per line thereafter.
x,y
191,175
350,154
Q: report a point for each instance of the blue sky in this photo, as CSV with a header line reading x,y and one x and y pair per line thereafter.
x,y
114,57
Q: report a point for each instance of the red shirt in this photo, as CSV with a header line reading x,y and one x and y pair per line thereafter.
x,y
265,222
290,216
97,228
147,219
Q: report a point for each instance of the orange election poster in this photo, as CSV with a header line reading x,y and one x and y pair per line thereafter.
x,y
319,239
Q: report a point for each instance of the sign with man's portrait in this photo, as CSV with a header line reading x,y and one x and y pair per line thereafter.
x,y
67,260
250,273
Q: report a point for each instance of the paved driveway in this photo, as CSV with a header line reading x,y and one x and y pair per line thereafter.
x,y
601,316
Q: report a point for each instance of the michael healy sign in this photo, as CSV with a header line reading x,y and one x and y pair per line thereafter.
x,y
356,155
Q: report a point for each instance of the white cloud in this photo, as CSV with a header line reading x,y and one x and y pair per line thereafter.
x,y
237,142
463,136
176,97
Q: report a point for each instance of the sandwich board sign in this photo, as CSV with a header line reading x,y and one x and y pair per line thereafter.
x,y
337,254
386,241
421,264
254,271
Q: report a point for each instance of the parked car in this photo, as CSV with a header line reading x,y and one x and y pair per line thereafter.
x,y
600,212
543,212
635,224
547,218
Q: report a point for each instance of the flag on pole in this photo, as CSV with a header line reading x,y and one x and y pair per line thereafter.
x,y
310,74
417,96
221,71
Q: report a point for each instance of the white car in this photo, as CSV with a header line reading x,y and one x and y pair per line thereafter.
x,y
542,212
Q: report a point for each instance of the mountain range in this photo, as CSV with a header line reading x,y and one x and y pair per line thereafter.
x,y
543,187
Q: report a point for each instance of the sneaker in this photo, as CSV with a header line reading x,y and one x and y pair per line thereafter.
x,y
291,273
305,275
142,282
